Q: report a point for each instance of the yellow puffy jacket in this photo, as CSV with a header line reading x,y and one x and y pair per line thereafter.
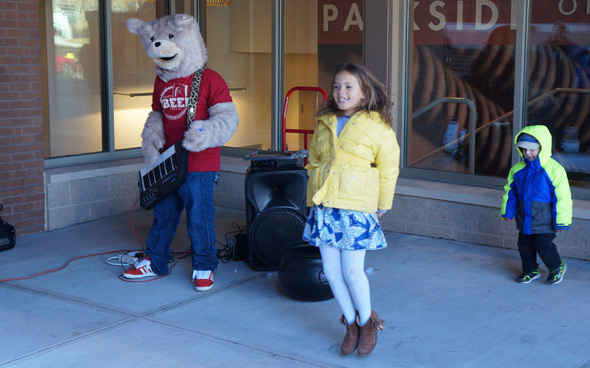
x,y
357,170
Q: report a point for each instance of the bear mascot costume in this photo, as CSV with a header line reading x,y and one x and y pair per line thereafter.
x,y
176,46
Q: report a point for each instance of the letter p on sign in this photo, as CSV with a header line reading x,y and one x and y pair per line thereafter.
x,y
330,15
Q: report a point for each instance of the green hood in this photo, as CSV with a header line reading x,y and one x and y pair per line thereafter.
x,y
542,134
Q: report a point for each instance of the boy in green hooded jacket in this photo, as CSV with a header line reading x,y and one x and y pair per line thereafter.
x,y
538,195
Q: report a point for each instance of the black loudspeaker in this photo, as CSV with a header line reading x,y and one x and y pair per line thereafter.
x,y
276,212
301,274
7,234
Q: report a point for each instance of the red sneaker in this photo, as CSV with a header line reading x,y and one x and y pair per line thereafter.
x,y
203,280
140,269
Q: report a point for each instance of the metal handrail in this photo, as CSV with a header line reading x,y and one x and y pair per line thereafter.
x,y
533,102
555,91
486,125
472,120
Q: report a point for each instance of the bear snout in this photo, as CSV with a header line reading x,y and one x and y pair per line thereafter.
x,y
163,49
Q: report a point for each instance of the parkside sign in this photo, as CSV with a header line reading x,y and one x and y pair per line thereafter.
x,y
486,14
479,14
341,21
476,18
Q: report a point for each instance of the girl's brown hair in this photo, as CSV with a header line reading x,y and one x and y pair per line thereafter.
x,y
376,96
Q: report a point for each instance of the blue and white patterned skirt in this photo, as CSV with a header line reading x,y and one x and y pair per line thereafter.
x,y
343,229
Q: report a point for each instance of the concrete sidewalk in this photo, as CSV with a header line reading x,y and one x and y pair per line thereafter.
x,y
446,304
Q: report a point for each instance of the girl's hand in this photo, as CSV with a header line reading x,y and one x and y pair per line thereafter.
x,y
379,214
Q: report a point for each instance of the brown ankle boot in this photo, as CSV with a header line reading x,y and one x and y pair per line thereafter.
x,y
368,334
352,337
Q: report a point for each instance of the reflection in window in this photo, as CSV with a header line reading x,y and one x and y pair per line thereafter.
x,y
238,38
133,74
74,125
462,82
559,83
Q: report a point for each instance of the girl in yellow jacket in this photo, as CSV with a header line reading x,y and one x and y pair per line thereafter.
x,y
353,168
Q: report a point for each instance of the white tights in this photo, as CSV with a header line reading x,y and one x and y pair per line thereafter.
x,y
345,272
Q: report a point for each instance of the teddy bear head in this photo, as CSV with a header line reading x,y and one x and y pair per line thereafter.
x,y
173,42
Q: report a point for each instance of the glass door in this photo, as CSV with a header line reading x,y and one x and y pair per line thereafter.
x,y
238,38
133,72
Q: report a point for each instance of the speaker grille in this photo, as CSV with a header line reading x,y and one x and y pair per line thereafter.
x,y
274,231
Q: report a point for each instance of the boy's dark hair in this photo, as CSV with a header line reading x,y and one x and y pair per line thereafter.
x,y
377,98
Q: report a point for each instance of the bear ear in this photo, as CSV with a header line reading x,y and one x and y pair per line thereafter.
x,y
181,21
134,25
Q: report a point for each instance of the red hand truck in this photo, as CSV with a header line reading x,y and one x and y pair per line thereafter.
x,y
305,132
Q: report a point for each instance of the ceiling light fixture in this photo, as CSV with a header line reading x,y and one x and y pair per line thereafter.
x,y
218,2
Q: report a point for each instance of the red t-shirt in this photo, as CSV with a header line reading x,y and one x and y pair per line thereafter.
x,y
171,98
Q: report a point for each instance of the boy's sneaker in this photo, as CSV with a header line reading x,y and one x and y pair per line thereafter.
x,y
525,278
140,269
556,275
203,280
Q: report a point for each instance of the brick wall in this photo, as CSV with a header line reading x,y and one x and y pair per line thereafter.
x,y
21,135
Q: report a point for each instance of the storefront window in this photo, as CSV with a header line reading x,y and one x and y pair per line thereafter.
x,y
462,83
238,38
559,82
319,34
74,125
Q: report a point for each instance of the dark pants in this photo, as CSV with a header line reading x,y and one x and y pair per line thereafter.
x,y
530,245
